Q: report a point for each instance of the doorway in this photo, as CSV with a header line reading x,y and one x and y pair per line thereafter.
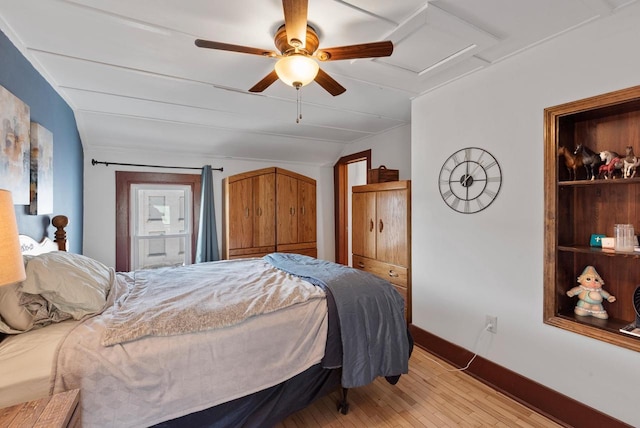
x,y
349,171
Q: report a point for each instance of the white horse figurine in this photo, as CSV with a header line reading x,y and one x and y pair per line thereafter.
x,y
631,163
612,162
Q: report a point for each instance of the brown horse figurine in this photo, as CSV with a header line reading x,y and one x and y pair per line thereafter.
x,y
571,161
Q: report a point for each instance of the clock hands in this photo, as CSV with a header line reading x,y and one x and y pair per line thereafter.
x,y
468,176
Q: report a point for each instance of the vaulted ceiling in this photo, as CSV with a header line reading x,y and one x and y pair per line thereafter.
x,y
135,79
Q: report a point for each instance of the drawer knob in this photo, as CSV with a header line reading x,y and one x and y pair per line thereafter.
x,y
361,265
392,274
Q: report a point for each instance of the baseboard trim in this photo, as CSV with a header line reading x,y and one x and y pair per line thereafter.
x,y
557,407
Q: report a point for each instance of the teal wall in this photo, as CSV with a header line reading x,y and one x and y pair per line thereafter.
x,y
20,78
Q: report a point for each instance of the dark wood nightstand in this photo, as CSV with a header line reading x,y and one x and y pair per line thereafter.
x,y
59,410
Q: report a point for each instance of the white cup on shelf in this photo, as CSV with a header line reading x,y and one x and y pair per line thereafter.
x,y
625,238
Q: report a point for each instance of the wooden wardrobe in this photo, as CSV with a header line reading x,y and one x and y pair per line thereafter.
x,y
381,233
267,210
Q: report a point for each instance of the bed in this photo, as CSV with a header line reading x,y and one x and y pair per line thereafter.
x,y
223,344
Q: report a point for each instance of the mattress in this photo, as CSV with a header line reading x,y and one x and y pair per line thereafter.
x,y
26,361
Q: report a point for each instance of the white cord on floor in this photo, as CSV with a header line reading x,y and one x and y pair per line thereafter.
x,y
475,346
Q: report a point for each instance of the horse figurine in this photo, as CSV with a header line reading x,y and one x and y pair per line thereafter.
x,y
612,163
631,163
571,161
589,159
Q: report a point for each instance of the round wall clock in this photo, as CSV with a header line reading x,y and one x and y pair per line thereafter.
x,y
470,180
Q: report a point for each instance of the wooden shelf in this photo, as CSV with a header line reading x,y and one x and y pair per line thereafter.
x,y
604,330
576,208
599,183
612,324
598,251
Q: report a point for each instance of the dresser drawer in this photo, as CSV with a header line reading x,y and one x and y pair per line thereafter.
x,y
395,274
241,253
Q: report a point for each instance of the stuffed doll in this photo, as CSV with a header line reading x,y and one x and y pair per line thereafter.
x,y
590,294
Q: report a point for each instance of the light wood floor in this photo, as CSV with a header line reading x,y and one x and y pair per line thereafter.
x,y
429,396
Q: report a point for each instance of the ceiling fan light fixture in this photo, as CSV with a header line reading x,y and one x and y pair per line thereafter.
x,y
297,70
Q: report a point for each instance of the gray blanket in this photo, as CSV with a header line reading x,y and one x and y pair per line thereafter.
x,y
371,315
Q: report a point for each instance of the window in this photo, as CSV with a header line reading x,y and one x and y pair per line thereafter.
x,y
156,207
156,247
157,231
156,219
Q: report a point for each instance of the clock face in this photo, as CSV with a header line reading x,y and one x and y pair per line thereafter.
x,y
470,180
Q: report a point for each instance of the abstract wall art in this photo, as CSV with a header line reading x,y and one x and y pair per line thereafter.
x,y
41,170
14,147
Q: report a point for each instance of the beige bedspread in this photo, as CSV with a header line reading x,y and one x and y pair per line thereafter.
x,y
156,378
26,360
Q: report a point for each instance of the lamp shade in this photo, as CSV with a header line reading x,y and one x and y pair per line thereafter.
x,y
297,70
11,264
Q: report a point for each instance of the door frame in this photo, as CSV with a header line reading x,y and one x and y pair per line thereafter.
x,y
341,192
124,180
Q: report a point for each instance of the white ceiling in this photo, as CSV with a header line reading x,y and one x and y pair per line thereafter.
x,y
135,79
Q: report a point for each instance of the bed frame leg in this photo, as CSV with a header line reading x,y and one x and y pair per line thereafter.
x,y
343,405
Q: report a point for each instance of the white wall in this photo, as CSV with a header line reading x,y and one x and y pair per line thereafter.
x,y
100,194
392,149
468,266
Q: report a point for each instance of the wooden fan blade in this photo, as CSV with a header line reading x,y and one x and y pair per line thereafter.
x,y
233,48
329,84
365,50
295,21
265,82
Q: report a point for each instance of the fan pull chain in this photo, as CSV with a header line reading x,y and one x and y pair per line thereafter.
x,y
298,105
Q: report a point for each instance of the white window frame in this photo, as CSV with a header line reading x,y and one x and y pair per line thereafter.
x,y
134,212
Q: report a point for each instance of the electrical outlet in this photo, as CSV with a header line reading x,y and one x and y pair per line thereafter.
x,y
491,323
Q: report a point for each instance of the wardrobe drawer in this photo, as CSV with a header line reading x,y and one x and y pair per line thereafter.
x,y
395,274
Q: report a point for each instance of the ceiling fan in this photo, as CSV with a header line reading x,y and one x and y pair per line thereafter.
x,y
297,43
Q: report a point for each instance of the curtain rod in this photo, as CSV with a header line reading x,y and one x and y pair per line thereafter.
x,y
95,162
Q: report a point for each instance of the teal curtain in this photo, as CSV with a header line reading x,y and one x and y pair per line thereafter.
x,y
207,246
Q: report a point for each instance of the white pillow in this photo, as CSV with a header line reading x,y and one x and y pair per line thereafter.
x,y
73,283
13,315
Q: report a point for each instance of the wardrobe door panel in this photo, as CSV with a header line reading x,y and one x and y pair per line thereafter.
x,y
286,209
392,236
264,231
364,224
306,211
241,218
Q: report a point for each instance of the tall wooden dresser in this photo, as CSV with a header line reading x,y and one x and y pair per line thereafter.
x,y
267,210
381,233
